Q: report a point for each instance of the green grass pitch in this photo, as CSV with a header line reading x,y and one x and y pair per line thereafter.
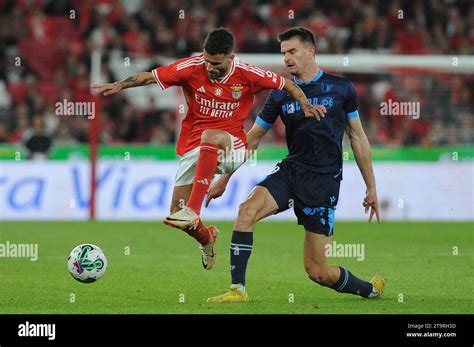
x,y
164,267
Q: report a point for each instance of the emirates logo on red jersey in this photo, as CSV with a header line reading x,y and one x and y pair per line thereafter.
x,y
215,108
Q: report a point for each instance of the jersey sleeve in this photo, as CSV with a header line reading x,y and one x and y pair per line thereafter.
x,y
261,79
269,113
350,104
174,74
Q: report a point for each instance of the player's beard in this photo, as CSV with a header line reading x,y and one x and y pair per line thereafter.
x,y
218,74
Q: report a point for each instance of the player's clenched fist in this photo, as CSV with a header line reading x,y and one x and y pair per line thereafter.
x,y
316,111
107,88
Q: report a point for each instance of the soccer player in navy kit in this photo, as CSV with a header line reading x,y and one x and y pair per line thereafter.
x,y
308,179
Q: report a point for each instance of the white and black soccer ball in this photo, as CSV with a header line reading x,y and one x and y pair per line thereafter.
x,y
87,263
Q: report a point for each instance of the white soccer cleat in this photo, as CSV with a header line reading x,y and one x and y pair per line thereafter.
x,y
183,219
208,251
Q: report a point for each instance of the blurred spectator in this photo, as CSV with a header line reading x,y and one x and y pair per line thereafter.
x,y
159,136
128,128
3,133
36,141
55,61
63,136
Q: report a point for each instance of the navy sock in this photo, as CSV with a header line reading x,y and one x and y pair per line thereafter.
x,y
348,283
240,249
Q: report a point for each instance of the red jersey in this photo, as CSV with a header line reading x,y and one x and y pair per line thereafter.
x,y
215,104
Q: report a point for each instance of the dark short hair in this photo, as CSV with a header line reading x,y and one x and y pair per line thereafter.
x,y
305,35
219,41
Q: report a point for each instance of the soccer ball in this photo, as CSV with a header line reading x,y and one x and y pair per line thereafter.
x,y
87,263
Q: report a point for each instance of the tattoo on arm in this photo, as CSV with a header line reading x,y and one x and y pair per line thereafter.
x,y
137,80
296,93
131,79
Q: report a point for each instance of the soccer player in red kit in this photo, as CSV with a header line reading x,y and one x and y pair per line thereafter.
x,y
219,91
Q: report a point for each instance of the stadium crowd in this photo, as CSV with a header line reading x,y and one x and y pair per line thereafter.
x,y
45,53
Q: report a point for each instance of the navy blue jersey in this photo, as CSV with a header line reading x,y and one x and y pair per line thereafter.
x,y
315,145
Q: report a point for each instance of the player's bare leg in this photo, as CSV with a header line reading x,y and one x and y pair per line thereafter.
x,y
212,141
315,260
205,236
332,276
259,204
180,197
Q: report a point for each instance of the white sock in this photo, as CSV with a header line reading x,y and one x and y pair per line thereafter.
x,y
373,294
240,287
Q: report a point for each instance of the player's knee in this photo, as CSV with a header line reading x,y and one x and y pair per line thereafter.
x,y
247,214
211,136
318,273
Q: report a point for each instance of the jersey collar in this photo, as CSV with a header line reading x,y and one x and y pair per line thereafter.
x,y
228,74
317,77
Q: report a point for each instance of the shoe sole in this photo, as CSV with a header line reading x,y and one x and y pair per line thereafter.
x,y
181,226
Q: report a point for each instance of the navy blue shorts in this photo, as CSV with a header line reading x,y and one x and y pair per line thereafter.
x,y
313,196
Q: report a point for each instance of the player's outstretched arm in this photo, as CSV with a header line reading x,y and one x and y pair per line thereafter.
x,y
316,111
253,140
140,79
361,148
